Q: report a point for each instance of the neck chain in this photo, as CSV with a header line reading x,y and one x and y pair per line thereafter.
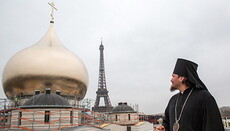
x,y
176,125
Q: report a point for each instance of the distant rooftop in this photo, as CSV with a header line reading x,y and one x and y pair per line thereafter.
x,y
123,108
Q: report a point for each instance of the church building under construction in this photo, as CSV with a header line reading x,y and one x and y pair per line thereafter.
x,y
44,85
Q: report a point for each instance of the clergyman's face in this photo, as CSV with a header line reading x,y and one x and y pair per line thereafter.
x,y
176,82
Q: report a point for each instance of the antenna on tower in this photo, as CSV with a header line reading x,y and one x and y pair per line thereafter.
x,y
101,40
52,12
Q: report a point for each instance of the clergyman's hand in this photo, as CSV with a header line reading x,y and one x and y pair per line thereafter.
x,y
160,128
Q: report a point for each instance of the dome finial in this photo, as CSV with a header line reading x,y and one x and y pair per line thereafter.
x,y
53,7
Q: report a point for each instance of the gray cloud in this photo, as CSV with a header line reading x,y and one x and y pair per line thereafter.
x,y
142,41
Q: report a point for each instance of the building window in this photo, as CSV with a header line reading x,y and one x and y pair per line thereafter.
x,y
47,116
129,117
19,118
128,128
71,117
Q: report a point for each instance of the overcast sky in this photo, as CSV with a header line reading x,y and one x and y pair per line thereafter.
x,y
142,40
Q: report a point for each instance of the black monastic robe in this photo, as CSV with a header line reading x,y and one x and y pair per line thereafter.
x,y
200,113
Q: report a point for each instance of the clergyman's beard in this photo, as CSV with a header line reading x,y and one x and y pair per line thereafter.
x,y
173,88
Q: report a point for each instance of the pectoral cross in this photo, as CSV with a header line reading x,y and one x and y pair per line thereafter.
x,y
53,7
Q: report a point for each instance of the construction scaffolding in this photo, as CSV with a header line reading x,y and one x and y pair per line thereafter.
x,y
58,119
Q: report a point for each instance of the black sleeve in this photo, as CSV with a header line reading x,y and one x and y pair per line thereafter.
x,y
166,119
211,119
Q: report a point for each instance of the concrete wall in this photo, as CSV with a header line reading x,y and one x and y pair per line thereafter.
x,y
35,118
123,118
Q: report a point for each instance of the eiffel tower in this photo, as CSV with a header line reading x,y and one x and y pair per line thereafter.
x,y
102,91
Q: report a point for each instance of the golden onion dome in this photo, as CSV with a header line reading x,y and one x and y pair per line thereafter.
x,y
46,64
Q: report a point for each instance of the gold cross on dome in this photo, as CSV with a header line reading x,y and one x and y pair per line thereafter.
x,y
53,7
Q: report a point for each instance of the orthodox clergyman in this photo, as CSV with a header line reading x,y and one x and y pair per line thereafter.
x,y
193,108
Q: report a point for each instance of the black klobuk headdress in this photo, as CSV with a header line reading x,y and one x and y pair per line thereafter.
x,y
188,69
